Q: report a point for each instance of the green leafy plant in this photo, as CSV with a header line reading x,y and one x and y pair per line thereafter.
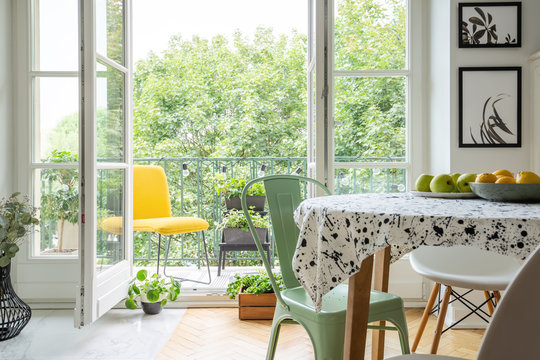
x,y
62,203
237,219
17,217
233,187
253,284
152,289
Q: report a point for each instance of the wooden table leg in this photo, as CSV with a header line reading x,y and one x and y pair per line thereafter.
x,y
380,283
358,311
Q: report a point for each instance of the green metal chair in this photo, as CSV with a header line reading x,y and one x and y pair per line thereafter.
x,y
326,328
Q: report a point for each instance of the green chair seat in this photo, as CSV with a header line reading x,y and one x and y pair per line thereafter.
x,y
326,328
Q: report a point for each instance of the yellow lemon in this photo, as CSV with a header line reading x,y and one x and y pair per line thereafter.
x,y
503,172
505,180
486,178
527,177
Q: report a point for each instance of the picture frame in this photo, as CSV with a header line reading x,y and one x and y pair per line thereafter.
x,y
490,107
489,25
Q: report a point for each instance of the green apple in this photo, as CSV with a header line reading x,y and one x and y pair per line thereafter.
x,y
442,183
422,183
463,182
455,177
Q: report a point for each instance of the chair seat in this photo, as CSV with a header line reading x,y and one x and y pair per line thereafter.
x,y
163,226
465,267
335,301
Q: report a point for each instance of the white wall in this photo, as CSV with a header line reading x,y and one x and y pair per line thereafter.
x,y
6,100
445,59
442,102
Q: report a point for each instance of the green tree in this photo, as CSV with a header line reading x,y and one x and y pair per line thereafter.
x,y
370,111
212,98
61,202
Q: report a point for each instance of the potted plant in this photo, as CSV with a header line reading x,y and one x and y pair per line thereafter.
x,y
232,188
17,219
61,205
152,292
256,298
235,228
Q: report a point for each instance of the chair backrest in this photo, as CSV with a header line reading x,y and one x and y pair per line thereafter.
x,y
283,193
513,331
150,192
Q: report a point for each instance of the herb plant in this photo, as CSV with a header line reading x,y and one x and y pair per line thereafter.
x,y
253,284
152,289
237,219
233,187
17,217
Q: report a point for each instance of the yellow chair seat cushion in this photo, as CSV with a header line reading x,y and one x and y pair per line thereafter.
x,y
163,226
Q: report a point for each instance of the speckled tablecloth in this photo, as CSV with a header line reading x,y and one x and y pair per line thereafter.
x,y
338,232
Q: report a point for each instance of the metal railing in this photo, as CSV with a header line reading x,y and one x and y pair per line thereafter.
x,y
192,189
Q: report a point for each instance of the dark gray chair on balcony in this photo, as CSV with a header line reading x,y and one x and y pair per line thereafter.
x,y
235,239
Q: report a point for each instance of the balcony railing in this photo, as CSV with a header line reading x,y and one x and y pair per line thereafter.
x,y
192,187
193,193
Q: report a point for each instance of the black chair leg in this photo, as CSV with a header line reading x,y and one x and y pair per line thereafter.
x,y
184,279
268,257
158,253
219,263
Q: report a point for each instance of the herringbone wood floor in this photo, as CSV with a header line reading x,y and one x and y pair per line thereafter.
x,y
216,333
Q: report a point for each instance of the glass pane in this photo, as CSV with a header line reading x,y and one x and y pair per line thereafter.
x,y
357,181
57,195
56,119
110,29
370,34
110,114
370,119
110,204
56,35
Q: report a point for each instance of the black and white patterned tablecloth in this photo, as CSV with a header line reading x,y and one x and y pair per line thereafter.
x,y
338,232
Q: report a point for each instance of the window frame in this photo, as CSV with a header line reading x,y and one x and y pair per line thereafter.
x,y
34,164
413,152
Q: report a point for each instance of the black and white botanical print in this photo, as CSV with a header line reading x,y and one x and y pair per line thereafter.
x,y
490,107
490,25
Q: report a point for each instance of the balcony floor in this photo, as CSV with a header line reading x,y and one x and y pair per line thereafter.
x,y
218,284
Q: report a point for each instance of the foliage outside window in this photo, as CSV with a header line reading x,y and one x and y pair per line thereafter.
x,y
241,97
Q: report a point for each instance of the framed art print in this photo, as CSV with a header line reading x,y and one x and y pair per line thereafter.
x,y
490,107
489,25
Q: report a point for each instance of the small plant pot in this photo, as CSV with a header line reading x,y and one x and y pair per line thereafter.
x,y
151,308
253,202
256,307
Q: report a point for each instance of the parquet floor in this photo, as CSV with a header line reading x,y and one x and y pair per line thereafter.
x,y
216,333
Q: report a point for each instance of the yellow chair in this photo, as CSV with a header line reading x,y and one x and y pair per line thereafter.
x,y
152,213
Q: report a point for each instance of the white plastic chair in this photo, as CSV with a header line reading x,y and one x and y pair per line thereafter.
x,y
513,331
463,267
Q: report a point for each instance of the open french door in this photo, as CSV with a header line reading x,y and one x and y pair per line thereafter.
x,y
319,114
106,156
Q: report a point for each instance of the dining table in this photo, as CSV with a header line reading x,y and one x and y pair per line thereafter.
x,y
356,238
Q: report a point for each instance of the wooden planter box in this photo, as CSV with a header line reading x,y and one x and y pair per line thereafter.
x,y
256,307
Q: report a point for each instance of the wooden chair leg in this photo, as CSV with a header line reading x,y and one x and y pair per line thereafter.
x,y
497,296
440,320
425,316
489,304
